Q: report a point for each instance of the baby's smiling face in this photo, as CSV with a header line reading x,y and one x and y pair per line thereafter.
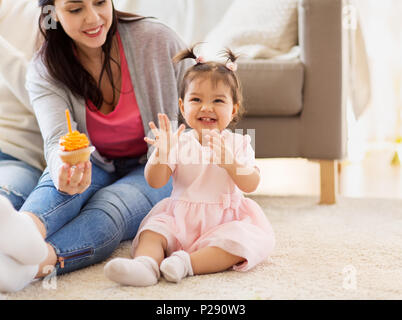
x,y
207,106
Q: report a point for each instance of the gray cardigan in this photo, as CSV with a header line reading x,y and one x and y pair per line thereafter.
x,y
149,47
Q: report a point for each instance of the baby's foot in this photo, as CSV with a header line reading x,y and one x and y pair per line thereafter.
x,y
19,236
138,272
15,276
177,266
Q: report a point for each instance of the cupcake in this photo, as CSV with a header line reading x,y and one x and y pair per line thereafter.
x,y
74,146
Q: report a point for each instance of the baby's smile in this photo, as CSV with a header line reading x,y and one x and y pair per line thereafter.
x,y
208,121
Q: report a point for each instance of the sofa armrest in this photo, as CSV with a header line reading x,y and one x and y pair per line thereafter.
x,y
321,39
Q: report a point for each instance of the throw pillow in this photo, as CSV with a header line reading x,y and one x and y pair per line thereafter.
x,y
256,29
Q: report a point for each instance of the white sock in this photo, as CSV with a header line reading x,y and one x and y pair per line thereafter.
x,y
139,272
177,266
19,236
15,276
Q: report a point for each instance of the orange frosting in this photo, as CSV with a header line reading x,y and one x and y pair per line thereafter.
x,y
73,141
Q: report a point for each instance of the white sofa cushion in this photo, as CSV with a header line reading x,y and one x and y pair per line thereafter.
x,y
256,29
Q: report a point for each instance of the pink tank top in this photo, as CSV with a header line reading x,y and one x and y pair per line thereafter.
x,y
119,134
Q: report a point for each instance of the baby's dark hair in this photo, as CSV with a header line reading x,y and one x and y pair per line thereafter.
x,y
217,72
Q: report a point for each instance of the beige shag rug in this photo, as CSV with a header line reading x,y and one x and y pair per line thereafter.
x,y
351,250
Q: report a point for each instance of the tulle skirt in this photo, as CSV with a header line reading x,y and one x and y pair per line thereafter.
x,y
236,225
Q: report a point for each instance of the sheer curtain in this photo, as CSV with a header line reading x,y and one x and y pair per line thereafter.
x,y
382,29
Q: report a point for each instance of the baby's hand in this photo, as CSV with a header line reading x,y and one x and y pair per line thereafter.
x,y
164,139
221,154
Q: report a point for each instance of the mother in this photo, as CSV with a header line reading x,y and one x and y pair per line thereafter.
x,y
113,71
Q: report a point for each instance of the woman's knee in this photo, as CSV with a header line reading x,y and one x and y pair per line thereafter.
x,y
16,198
17,181
125,205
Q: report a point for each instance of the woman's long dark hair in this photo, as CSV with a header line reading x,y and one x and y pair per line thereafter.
x,y
57,52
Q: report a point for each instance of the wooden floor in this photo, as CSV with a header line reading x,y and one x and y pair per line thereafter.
x,y
372,177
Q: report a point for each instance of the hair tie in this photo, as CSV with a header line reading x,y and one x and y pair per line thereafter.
x,y
200,60
232,66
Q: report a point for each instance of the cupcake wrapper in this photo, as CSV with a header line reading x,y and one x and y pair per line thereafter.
x,y
76,156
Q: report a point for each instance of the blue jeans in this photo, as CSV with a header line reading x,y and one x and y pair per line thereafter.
x,y
17,179
86,228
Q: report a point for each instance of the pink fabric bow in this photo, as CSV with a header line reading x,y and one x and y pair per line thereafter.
x,y
232,66
231,200
200,59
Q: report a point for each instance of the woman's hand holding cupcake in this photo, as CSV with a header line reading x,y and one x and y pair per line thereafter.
x,y
75,151
75,179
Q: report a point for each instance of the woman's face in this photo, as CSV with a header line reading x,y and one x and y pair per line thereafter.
x,y
86,22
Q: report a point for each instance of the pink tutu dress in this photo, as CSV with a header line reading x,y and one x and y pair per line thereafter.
x,y
207,209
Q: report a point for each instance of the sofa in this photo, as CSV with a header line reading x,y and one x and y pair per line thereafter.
x,y
297,106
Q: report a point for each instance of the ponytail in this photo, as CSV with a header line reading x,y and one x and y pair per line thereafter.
x,y
185,54
230,55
